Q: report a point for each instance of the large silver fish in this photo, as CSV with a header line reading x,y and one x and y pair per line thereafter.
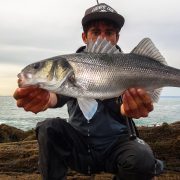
x,y
101,73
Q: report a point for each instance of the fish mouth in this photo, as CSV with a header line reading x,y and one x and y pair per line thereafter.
x,y
20,83
24,76
21,80
25,80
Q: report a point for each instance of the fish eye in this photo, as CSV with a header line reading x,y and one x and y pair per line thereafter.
x,y
36,65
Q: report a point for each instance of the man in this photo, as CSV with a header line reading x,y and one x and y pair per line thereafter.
x,y
102,144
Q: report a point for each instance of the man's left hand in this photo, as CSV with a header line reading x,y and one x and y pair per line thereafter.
x,y
137,103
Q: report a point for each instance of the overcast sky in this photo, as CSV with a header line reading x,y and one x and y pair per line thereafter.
x,y
31,30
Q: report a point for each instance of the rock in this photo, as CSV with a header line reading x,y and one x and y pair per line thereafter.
x,y
12,134
20,158
165,142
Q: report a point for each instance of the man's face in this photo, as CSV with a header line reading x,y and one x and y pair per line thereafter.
x,y
102,30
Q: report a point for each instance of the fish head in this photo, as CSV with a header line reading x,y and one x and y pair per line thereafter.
x,y
48,74
36,73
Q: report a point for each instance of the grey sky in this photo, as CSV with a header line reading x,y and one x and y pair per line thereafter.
x,y
31,30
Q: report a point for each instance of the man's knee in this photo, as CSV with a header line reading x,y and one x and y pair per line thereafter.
x,y
137,163
49,126
141,159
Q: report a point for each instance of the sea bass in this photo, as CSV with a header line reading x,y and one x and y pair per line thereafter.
x,y
102,72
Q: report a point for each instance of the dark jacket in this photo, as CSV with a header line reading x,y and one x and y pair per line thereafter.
x,y
106,125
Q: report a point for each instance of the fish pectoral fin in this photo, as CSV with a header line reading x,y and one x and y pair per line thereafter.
x,y
79,85
155,94
88,107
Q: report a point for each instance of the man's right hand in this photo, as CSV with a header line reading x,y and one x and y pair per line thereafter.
x,y
34,99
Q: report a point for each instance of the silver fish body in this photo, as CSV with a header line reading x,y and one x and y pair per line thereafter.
x,y
103,76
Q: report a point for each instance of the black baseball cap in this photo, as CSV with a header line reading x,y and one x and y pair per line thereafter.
x,y
103,11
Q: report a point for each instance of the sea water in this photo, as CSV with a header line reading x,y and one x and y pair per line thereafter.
x,y
166,110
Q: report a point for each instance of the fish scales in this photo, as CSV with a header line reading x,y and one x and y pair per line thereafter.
x,y
103,74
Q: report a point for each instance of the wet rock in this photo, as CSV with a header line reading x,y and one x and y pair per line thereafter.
x,y
10,134
13,134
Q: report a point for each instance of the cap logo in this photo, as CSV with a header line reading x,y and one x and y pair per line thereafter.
x,y
102,11
102,8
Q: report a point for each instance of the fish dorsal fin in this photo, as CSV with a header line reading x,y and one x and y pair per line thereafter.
x,y
101,46
147,48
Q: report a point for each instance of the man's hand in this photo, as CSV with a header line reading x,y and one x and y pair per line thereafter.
x,y
136,103
34,99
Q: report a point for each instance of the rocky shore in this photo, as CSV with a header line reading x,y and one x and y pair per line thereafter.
x,y
19,153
